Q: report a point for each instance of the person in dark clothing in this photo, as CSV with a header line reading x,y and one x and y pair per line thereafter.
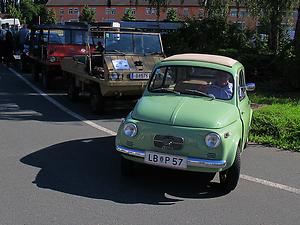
x,y
2,42
9,48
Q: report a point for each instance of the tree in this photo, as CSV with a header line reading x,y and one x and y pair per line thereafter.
x,y
297,36
172,15
13,12
87,15
128,15
30,11
216,8
158,5
273,13
50,17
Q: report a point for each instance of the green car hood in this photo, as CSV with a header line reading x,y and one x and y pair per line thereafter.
x,y
186,111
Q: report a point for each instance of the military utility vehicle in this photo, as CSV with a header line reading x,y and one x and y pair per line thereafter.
x,y
117,63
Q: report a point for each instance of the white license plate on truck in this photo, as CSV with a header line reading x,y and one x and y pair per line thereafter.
x,y
165,160
139,76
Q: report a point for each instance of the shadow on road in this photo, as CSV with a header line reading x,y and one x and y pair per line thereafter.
x,y
90,168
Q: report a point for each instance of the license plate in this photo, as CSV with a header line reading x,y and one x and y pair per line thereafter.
x,y
139,76
17,57
164,160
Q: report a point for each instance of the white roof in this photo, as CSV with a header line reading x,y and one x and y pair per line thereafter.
x,y
217,59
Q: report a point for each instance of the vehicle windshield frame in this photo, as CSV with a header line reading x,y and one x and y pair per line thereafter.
x,y
132,47
167,68
71,38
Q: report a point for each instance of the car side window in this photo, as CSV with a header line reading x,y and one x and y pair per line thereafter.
x,y
242,84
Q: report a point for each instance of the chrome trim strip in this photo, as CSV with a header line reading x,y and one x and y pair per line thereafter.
x,y
204,163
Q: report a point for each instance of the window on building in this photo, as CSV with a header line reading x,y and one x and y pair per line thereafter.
x,y
113,11
186,12
70,11
201,13
62,11
107,11
153,11
243,13
94,10
75,11
233,12
148,11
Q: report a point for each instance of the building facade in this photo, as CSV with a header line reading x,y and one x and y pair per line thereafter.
x,y
69,10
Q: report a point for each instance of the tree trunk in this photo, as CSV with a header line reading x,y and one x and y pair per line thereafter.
x,y
274,32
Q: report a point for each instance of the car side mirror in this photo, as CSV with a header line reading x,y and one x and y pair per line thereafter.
x,y
248,87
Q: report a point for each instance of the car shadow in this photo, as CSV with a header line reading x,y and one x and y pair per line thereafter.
x,y
91,168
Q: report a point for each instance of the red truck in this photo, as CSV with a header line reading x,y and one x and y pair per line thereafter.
x,y
49,44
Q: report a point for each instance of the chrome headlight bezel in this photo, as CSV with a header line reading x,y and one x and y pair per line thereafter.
x,y
130,129
212,140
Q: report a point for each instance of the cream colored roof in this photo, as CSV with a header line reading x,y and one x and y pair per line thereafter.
x,y
222,60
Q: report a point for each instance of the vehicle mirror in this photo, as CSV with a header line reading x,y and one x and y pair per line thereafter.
x,y
249,87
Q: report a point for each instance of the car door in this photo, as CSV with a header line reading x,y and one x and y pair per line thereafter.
x,y
244,105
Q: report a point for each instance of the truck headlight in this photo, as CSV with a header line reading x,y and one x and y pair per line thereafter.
x,y
130,129
212,140
52,59
114,76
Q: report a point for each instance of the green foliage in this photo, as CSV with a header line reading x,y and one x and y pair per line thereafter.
x,y
128,15
87,15
30,11
14,12
277,125
172,15
50,17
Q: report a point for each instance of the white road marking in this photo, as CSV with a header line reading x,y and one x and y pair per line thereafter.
x,y
271,184
63,108
98,127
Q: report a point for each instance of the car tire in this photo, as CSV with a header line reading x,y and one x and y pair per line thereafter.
x,y
97,102
230,177
73,91
127,167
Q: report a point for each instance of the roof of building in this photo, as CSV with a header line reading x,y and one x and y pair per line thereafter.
x,y
116,3
222,60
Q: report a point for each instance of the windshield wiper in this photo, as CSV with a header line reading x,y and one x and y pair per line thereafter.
x,y
200,93
117,51
153,53
164,90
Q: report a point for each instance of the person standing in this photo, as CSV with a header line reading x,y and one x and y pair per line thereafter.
x,y
8,46
2,42
22,37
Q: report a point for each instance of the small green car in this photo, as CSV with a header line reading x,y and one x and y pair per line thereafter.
x,y
194,115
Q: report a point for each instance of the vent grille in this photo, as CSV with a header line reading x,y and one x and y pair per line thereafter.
x,y
168,142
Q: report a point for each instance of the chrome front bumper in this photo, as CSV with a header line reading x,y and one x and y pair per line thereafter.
x,y
194,162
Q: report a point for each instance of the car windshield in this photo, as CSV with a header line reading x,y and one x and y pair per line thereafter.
x,y
75,37
192,80
133,43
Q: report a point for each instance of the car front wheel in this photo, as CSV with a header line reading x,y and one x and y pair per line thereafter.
x,y
230,177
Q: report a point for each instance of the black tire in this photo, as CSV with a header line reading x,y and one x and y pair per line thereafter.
x,y
230,177
35,73
127,167
73,91
97,102
46,82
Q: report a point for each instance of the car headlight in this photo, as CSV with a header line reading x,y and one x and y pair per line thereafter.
x,y
130,129
212,140
114,76
52,59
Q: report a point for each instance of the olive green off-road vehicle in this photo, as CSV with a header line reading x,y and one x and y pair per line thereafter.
x,y
117,63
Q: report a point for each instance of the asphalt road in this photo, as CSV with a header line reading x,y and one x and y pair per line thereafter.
x,y
59,169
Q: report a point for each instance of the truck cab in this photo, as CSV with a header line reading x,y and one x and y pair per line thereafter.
x,y
49,44
117,63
